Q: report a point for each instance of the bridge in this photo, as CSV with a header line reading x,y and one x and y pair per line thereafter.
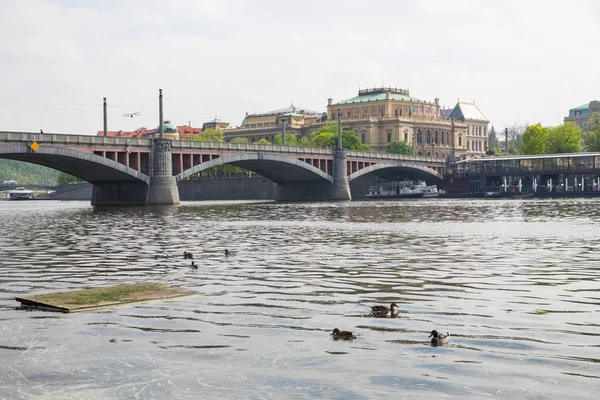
x,y
142,171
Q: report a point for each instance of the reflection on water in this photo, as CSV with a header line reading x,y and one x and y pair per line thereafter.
x,y
515,282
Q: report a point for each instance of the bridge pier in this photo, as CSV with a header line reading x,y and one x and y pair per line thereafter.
x,y
119,193
163,186
341,187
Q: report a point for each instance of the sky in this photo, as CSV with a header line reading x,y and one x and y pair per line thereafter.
x,y
519,61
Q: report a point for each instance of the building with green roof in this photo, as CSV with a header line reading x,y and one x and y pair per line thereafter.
x,y
581,115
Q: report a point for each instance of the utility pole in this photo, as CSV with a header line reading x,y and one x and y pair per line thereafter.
x,y
283,135
105,118
340,129
160,113
506,139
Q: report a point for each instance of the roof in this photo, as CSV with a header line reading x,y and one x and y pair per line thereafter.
x,y
526,157
467,111
379,96
581,108
290,109
216,121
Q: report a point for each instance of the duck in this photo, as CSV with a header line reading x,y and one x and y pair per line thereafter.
x,y
439,339
383,310
230,253
194,265
343,335
187,256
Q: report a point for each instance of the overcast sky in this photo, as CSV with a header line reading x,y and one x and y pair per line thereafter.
x,y
520,61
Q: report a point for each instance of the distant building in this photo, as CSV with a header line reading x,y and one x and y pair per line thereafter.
x,y
215,124
380,115
581,115
170,131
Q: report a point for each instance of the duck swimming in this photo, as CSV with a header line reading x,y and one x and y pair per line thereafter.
x,y
229,253
381,311
343,335
187,256
194,265
439,339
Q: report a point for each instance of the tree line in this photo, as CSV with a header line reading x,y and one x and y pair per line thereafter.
x,y
539,139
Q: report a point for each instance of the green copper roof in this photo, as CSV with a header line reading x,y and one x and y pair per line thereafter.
x,y
168,127
581,108
216,121
380,97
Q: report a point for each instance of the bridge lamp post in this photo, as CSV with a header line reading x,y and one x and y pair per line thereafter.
x,y
283,134
160,113
339,115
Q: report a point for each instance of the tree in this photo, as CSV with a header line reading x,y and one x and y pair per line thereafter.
x,y
326,136
290,139
262,141
399,147
304,141
494,143
535,139
64,178
239,140
515,138
565,138
592,138
208,135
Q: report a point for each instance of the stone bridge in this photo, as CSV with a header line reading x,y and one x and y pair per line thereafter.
x,y
121,169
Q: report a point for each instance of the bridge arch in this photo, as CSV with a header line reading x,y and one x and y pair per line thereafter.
x,y
87,166
275,167
422,171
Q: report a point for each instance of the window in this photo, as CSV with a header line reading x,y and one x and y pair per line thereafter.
x,y
363,137
428,136
419,136
460,140
389,137
406,136
443,138
436,139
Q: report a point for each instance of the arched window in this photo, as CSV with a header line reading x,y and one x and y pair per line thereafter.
x,y
419,136
405,135
419,153
437,154
436,138
459,140
428,136
448,138
363,137
428,154
443,138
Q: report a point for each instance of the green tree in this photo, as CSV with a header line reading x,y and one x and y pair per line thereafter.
x,y
262,141
239,140
399,147
324,139
63,178
565,138
535,139
304,141
290,139
326,136
208,135
592,138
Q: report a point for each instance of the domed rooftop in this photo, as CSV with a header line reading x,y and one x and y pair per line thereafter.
x,y
168,127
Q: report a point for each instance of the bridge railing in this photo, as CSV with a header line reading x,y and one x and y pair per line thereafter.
x,y
194,145
392,156
61,138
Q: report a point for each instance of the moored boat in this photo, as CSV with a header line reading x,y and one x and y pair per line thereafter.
x,y
402,189
20,193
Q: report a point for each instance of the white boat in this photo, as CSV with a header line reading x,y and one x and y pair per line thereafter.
x,y
20,193
428,190
395,190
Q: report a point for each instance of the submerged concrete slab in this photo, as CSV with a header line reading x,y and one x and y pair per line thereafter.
x,y
92,299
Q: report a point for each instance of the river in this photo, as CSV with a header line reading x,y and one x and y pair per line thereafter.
x,y
515,282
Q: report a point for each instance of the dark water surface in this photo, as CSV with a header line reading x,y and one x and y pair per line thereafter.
x,y
515,282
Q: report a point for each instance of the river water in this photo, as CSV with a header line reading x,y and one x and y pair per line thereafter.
x,y
515,282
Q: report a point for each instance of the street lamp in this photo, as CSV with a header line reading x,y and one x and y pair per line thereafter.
x,y
283,135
